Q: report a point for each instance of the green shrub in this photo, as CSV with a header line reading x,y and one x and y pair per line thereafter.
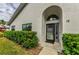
x,y
1,34
71,44
31,42
27,39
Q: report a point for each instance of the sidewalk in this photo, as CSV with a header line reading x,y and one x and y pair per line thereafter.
x,y
48,49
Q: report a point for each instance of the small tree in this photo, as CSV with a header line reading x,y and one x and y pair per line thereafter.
x,y
2,22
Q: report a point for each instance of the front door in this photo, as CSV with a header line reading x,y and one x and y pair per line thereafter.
x,y
52,32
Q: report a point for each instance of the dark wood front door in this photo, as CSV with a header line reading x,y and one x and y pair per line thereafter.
x,y
52,31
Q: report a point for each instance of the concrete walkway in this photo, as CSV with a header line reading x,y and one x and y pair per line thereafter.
x,y
48,49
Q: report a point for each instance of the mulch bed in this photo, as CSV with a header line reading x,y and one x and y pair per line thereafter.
x,y
61,53
34,51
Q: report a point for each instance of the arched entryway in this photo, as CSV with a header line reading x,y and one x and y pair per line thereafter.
x,y
52,24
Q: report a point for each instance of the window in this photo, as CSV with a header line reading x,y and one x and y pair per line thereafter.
x,y
13,27
27,26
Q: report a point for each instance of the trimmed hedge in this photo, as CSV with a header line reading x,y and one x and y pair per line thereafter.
x,y
27,39
71,44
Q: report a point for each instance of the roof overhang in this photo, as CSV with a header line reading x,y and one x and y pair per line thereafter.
x,y
17,12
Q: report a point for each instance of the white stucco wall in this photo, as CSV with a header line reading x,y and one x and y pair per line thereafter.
x,y
32,13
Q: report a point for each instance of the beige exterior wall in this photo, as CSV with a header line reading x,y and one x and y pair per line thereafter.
x,y
32,13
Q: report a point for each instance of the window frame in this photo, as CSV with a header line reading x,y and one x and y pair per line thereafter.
x,y
26,25
13,27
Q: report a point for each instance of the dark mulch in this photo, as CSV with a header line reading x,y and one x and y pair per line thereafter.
x,y
61,53
34,51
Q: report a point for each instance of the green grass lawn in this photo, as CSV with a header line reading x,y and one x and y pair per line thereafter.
x,y
8,47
